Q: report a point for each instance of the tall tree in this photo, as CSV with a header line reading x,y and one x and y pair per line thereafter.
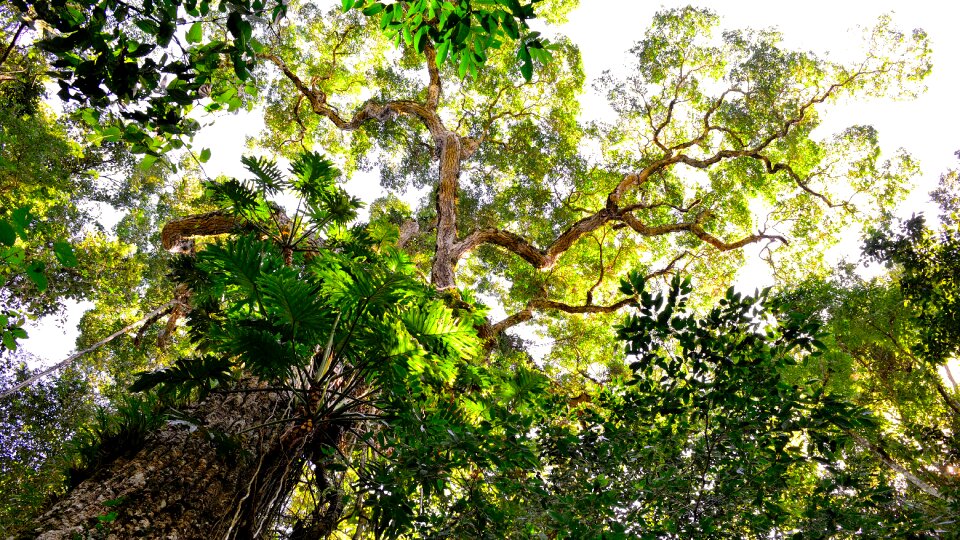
x,y
332,386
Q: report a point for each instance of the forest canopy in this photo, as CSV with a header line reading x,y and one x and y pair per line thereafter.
x,y
531,332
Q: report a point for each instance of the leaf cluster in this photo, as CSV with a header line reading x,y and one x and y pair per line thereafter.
x,y
459,31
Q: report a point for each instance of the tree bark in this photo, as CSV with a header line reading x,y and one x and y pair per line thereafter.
x,y
183,485
443,274
176,234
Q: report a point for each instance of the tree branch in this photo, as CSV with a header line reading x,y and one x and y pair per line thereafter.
x,y
889,462
175,235
434,88
543,259
368,111
13,43
488,332
69,360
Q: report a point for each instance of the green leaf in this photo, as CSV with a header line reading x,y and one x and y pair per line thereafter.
x,y
204,155
292,300
114,502
111,134
147,162
442,51
14,256
373,9
266,173
65,254
239,28
148,26
21,219
7,235
195,34
36,275
9,341
526,65
109,517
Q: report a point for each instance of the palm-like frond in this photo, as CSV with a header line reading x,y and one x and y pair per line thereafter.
x,y
185,375
315,175
241,262
266,174
439,332
233,195
292,300
262,351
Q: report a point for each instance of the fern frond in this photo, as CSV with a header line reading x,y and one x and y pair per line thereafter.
x,y
435,327
266,174
315,175
292,300
233,195
262,351
187,374
241,261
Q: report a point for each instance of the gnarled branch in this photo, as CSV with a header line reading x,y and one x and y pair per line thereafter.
x,y
488,332
176,234
545,258
368,111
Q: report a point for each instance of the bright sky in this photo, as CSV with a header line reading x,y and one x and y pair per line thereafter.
x,y
605,30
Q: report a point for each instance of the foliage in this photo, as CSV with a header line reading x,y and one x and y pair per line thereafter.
x,y
131,61
34,429
13,261
111,435
412,410
54,180
929,278
892,344
461,32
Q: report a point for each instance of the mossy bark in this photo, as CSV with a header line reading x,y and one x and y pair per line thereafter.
x,y
184,484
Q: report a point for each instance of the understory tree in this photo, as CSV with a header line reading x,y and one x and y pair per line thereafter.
x,y
894,346
368,379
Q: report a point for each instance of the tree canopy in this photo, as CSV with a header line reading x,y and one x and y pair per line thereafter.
x,y
298,372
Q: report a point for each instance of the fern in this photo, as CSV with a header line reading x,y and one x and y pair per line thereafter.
x,y
439,332
233,195
241,262
262,351
266,174
315,175
185,376
292,300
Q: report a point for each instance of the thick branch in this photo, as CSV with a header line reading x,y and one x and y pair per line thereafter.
x,y
369,110
696,228
444,262
542,304
543,259
491,331
524,249
434,88
176,234
13,43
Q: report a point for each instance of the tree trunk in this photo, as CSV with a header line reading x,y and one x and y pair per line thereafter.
x,y
187,483
443,274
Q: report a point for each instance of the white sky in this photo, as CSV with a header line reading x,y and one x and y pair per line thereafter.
x,y
606,29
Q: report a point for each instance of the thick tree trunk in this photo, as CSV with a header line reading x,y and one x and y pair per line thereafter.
x,y
186,483
443,274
